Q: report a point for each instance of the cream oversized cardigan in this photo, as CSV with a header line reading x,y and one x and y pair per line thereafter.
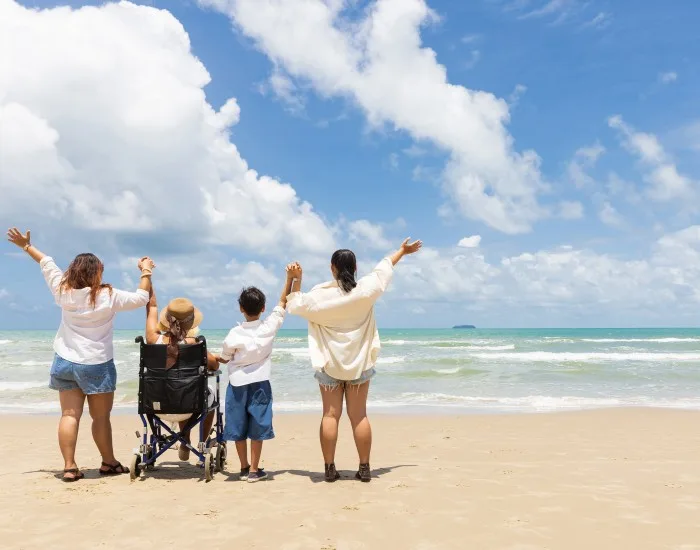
x,y
343,336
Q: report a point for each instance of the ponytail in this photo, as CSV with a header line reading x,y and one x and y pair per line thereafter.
x,y
176,333
345,265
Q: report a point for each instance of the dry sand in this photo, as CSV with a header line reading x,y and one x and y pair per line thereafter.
x,y
612,479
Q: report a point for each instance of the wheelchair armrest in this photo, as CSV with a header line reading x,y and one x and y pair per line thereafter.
x,y
214,372
139,340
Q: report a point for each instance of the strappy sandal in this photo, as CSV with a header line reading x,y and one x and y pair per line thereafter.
x,y
77,475
114,469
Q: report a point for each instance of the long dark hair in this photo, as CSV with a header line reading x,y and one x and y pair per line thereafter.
x,y
345,265
85,271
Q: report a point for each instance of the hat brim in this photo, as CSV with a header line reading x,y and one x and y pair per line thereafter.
x,y
163,324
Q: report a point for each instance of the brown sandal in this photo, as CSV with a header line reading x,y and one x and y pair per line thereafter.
x,y
77,475
114,469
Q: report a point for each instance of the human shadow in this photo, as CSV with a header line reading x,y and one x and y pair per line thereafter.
x,y
345,475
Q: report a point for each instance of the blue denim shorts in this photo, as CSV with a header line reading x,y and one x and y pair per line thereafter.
x,y
332,383
90,379
249,412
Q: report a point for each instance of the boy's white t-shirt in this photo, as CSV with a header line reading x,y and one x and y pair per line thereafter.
x,y
249,349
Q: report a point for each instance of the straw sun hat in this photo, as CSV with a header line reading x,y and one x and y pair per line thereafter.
x,y
184,311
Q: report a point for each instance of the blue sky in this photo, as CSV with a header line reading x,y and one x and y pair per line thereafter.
x,y
596,227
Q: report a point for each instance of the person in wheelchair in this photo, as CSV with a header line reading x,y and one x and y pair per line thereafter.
x,y
178,324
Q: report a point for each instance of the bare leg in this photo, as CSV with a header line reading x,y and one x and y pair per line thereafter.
x,y
183,452
356,400
242,450
72,402
100,405
332,409
255,452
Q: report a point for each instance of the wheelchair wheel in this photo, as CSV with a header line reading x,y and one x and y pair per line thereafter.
x,y
221,457
209,467
149,455
135,468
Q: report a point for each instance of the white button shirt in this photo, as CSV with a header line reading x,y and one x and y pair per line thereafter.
x,y
248,347
85,334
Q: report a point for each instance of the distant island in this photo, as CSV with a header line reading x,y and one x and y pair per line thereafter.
x,y
464,326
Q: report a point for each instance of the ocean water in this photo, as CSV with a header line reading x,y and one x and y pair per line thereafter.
x,y
480,370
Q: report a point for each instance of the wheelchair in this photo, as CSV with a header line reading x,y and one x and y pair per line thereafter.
x,y
180,393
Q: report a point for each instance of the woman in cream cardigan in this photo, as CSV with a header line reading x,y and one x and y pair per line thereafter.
x,y
344,345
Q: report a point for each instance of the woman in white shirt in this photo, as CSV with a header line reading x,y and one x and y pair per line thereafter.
x,y
83,364
344,345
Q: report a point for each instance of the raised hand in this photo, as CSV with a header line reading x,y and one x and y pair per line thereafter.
x,y
15,237
411,248
146,263
294,270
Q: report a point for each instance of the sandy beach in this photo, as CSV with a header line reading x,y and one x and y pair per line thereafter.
x,y
596,479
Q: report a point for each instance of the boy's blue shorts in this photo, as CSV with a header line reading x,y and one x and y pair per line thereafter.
x,y
249,412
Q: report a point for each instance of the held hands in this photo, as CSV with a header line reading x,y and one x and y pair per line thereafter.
x,y
15,237
411,248
146,264
294,271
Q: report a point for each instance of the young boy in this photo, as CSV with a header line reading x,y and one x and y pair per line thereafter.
x,y
247,350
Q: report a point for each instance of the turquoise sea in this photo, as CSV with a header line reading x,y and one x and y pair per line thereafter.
x,y
479,370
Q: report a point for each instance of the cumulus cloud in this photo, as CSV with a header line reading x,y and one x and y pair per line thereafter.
x,y
366,61
470,242
665,181
118,138
369,234
567,280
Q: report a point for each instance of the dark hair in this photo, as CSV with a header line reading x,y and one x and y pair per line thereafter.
x,y
345,265
252,301
85,271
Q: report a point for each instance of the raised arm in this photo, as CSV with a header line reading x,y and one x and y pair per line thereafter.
x,y
24,242
152,318
287,289
123,300
405,249
294,276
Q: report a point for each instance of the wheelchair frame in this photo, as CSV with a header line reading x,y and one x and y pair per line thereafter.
x,y
153,447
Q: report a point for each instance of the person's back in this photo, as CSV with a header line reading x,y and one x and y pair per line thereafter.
x,y
247,350
87,316
343,335
344,345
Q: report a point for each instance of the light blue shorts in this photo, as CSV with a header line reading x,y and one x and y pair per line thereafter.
x,y
90,379
329,382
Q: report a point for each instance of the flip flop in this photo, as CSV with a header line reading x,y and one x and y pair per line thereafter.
x,y
77,475
114,469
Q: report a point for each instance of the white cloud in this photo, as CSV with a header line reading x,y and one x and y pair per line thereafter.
x,y
584,159
665,182
516,94
668,77
474,57
394,161
4,293
118,137
609,215
471,38
366,61
369,234
570,210
599,22
565,281
470,242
